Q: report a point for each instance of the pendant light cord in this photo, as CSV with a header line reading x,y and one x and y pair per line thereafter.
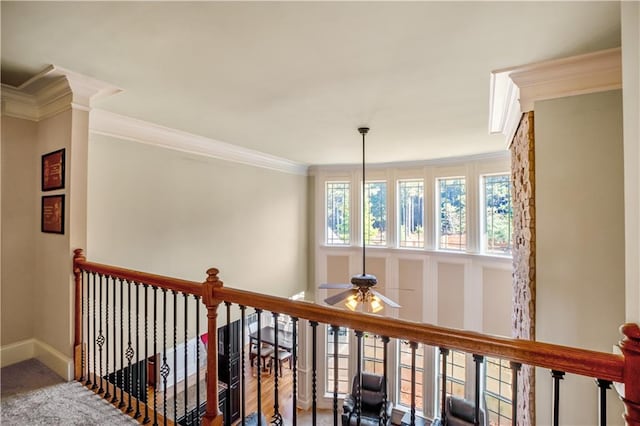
x,y
363,131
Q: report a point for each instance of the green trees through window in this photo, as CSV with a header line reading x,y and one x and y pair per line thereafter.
x,y
411,213
338,220
453,214
498,217
375,213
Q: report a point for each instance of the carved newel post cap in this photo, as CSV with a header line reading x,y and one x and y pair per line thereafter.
x,y
631,331
212,276
78,253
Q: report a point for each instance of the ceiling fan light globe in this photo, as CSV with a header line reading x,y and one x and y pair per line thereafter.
x,y
352,303
375,305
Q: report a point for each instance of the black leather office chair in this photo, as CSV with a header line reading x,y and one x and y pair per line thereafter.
x,y
459,412
372,410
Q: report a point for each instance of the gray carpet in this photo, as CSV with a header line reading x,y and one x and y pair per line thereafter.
x,y
34,395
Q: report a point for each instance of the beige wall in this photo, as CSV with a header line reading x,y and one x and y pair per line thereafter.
x,y
37,277
177,214
630,13
19,225
580,239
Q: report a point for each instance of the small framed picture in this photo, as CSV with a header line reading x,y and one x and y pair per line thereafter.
x,y
53,170
53,214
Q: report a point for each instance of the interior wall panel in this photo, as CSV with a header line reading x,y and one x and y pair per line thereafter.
x,y
451,295
410,278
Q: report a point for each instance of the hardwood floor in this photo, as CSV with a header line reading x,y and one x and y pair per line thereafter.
x,y
267,384
285,396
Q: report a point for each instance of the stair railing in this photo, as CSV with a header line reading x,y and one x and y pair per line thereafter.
x,y
91,334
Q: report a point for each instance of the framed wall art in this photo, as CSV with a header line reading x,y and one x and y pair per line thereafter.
x,y
53,214
53,170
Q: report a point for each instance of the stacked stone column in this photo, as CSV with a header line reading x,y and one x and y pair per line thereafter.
x,y
524,256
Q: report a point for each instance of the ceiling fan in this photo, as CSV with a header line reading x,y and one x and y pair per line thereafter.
x,y
360,292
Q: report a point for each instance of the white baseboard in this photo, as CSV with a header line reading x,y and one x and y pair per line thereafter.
x,y
17,352
55,360
43,352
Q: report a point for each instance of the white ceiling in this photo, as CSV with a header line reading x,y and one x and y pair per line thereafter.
x,y
295,79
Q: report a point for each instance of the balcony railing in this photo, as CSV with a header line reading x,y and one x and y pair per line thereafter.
x,y
139,339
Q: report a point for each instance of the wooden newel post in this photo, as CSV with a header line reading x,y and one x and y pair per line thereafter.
x,y
630,346
78,352
212,416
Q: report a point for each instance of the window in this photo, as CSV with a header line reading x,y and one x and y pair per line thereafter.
x,y
338,225
498,391
404,367
498,214
343,360
375,203
373,357
453,212
455,374
411,213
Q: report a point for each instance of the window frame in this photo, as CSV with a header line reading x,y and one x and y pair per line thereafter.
x,y
398,222
347,204
386,212
438,213
484,246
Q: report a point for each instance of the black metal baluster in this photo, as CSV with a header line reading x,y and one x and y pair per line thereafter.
x,y
122,378
557,376
107,394
359,335
478,359
113,337
603,385
85,352
129,352
186,359
294,396
198,360
95,336
334,330
414,346
155,356
515,369
100,339
243,323
164,370
314,371
146,354
138,369
227,349
175,355
258,353
444,352
82,275
277,417
385,354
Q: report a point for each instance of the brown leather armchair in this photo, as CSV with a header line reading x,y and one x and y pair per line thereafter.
x,y
372,396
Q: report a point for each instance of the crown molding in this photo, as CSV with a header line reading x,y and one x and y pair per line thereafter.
x,y
515,90
52,91
436,162
119,126
504,108
18,104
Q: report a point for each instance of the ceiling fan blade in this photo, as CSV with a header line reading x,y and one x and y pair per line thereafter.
x,y
332,300
335,286
385,299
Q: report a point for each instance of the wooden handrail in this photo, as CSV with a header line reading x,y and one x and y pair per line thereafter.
x,y
568,359
585,362
184,286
